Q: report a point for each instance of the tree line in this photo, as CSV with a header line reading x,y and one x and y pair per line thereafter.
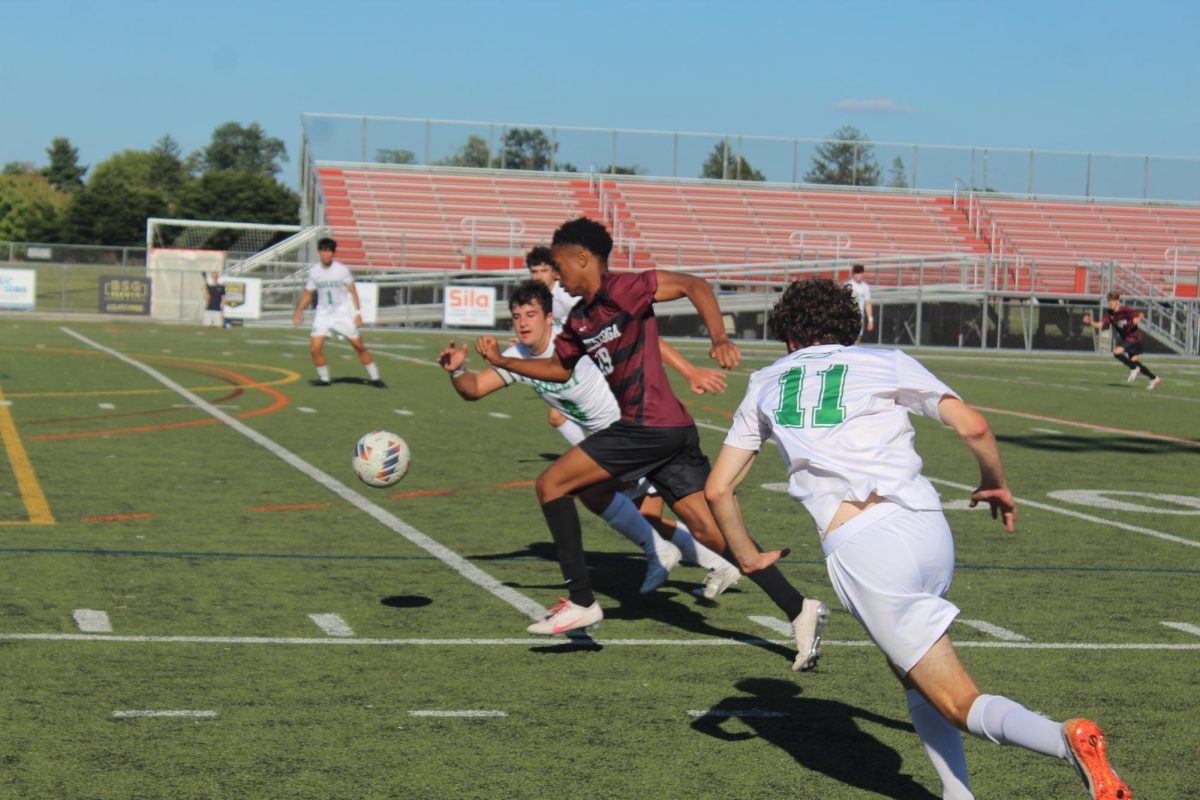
x,y
234,177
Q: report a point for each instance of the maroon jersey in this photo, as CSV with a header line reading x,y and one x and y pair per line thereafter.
x,y
1124,324
618,329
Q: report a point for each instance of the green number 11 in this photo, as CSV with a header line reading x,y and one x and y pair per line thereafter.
x,y
827,413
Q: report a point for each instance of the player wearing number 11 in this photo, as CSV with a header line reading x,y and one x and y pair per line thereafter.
x,y
839,414
338,312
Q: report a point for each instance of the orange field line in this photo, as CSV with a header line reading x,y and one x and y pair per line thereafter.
x,y
426,493
514,484
116,517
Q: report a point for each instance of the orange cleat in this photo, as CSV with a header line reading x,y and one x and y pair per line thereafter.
x,y
1086,746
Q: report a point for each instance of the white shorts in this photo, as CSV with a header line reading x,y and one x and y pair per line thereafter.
x,y
342,324
211,319
891,568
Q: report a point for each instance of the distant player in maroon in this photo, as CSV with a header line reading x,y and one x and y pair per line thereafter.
x,y
655,438
1128,350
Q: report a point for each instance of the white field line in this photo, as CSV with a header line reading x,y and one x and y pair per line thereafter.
x,y
777,625
1044,506
472,573
91,621
181,713
530,642
749,712
970,376
1050,431
1003,634
1183,626
457,714
1080,515
306,410
332,624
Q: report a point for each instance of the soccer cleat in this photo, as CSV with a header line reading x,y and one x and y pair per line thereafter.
x,y
318,382
1133,374
1153,383
807,627
657,569
566,616
718,580
1085,751
377,383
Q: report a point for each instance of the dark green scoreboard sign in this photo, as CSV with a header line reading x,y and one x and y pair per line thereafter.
x,y
124,295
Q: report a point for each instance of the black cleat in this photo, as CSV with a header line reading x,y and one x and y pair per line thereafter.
x,y
318,382
378,384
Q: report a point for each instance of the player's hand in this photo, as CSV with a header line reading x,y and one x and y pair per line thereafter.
x,y
725,353
870,325
1001,500
1087,319
487,347
706,380
296,318
452,357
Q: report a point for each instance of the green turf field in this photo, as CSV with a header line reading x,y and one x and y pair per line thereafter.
x,y
208,542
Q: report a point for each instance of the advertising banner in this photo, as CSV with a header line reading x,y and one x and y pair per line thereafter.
x,y
120,294
470,305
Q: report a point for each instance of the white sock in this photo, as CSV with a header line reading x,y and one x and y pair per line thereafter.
x,y
323,372
693,551
1002,721
625,519
571,431
373,370
943,744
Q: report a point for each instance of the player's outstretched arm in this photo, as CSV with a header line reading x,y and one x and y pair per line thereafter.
x,y
543,369
469,385
733,464
700,380
305,299
673,285
972,427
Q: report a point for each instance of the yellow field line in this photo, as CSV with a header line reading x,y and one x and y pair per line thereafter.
x,y
27,482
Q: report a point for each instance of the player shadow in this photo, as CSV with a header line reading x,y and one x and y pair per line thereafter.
x,y
1067,443
820,735
405,601
355,380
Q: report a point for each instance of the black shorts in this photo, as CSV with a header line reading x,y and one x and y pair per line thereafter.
x,y
670,457
1131,348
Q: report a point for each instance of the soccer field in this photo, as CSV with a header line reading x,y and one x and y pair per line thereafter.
x,y
201,601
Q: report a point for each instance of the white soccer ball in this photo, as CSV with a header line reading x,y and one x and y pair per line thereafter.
x,y
381,459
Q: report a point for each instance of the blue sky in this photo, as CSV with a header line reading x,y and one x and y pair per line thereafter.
x,y
1097,76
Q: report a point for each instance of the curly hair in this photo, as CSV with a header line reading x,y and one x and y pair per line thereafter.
x,y
530,292
815,311
538,255
586,233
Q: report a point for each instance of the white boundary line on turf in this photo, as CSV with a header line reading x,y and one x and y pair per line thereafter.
x,y
453,560
1185,627
458,714
181,713
332,624
993,630
561,642
1035,504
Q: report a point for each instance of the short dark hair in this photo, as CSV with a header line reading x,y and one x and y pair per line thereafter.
x,y
586,233
327,244
815,311
529,292
1114,296
857,269
538,255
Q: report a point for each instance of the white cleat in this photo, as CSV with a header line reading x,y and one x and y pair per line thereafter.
x,y
718,580
1133,374
658,567
1153,383
566,616
807,627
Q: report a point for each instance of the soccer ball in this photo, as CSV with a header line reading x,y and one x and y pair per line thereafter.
x,y
380,459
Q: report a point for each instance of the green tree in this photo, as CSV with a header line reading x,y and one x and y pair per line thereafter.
x,y
621,169
166,168
723,163
18,168
846,158
400,156
474,153
112,209
30,208
899,180
241,196
64,172
525,148
242,149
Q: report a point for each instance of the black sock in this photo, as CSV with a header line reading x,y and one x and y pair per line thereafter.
x,y
563,519
1146,371
771,581
1126,360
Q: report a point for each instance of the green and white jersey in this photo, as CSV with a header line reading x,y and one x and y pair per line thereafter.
x,y
329,284
584,398
862,294
562,303
840,417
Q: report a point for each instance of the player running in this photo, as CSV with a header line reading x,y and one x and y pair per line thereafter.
x,y
338,311
1124,321
839,414
586,399
656,438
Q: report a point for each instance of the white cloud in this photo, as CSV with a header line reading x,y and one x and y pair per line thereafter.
x,y
881,106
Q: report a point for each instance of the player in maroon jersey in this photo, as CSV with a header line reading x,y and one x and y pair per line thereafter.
x,y
614,324
1124,321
